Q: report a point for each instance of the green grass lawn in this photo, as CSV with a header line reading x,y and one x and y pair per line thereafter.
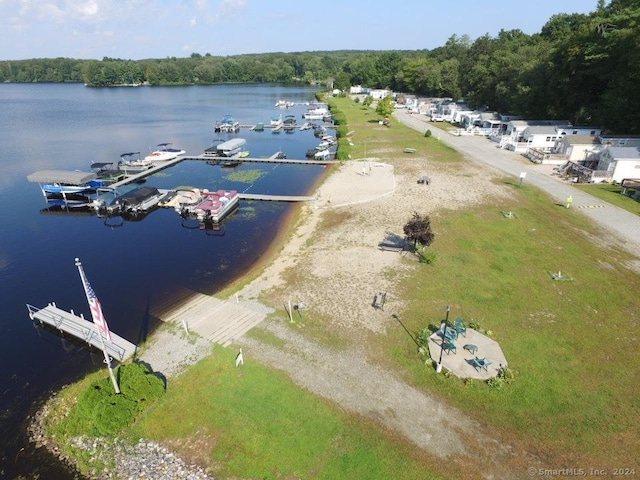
x,y
573,345
612,194
253,422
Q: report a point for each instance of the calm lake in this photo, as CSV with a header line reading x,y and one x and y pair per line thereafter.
x,y
130,264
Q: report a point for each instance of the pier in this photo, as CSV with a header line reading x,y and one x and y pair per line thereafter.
x,y
275,198
146,173
271,159
68,322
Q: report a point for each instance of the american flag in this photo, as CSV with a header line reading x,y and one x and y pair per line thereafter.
x,y
94,305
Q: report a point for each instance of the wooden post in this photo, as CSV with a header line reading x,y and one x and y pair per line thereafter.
x,y
290,312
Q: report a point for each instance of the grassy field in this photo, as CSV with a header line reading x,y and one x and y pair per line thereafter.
x,y
611,194
252,422
572,344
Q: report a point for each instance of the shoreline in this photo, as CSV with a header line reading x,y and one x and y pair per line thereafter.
x,y
341,265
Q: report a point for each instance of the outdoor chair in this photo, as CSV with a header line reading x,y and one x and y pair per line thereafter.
x,y
482,363
458,326
448,334
449,347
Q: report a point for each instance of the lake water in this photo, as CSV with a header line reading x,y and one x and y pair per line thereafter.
x,y
129,264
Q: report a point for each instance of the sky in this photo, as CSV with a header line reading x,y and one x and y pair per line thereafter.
x,y
140,29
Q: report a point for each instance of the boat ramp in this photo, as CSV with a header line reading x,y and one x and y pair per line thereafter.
x,y
68,322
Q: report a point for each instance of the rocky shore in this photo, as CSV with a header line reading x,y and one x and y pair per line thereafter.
x,y
170,353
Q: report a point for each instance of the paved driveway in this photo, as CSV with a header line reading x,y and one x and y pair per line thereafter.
x,y
623,226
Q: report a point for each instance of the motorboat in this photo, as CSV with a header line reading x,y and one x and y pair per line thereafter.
x,y
107,173
139,200
164,152
230,148
319,112
130,163
276,120
289,123
63,182
215,205
284,103
227,125
322,154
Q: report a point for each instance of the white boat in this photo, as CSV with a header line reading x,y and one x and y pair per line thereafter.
x,y
216,205
164,152
322,154
319,112
284,103
276,120
230,148
131,163
227,125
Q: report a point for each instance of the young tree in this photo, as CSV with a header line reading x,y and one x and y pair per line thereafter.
x,y
418,230
385,107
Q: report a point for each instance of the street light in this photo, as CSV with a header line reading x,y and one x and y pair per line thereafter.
x,y
443,329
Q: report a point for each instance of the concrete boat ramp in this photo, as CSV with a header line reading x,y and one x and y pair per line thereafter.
x,y
217,320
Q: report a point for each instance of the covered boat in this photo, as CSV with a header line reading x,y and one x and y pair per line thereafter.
x,y
141,199
63,182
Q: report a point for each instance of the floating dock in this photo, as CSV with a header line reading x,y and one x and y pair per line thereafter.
x,y
119,349
271,159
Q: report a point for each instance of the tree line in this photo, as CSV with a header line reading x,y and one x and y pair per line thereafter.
x,y
583,68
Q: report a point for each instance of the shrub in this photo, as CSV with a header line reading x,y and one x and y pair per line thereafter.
x,y
101,412
427,256
505,376
427,133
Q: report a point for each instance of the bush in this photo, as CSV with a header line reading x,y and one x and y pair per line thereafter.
x,y
427,133
427,256
505,376
101,412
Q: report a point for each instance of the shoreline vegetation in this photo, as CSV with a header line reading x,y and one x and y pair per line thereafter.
x,y
339,389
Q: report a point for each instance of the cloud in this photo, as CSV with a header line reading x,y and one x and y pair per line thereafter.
x,y
227,9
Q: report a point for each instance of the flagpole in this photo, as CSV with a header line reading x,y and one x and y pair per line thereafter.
x,y
107,358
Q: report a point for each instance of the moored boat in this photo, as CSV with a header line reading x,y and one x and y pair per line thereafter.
x,y
164,152
227,125
318,112
62,182
142,199
131,163
215,205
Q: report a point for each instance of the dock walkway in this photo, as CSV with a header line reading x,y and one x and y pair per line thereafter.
x,y
68,322
271,159
146,173
220,321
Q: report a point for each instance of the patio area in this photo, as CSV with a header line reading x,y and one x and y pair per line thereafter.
x,y
464,355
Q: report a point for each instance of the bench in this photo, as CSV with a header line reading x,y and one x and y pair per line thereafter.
x,y
379,299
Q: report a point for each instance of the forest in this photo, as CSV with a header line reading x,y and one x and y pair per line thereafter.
x,y
584,68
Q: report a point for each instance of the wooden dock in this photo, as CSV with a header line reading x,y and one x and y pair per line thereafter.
x,y
119,348
289,161
221,321
146,173
275,198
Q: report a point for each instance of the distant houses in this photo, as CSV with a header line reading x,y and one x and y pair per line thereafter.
x,y
584,152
